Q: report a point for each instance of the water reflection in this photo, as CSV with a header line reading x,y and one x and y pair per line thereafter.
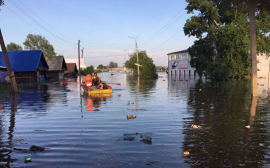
x,y
224,140
140,85
7,146
94,101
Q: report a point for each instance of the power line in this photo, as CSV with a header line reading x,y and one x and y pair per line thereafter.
x,y
27,15
32,25
44,21
168,39
158,33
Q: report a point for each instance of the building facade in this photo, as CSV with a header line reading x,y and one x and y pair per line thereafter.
x,y
179,64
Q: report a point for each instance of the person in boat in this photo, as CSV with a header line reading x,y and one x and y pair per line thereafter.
x,y
96,81
88,80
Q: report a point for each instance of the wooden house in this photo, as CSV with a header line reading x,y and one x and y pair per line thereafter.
x,y
57,66
27,65
72,70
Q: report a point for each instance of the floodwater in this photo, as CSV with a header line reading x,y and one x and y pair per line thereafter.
x,y
81,131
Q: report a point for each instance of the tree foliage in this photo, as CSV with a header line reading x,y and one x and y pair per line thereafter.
x,y
147,69
100,66
14,47
37,42
87,70
222,29
113,65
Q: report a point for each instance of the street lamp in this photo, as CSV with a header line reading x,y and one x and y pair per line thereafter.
x,y
136,54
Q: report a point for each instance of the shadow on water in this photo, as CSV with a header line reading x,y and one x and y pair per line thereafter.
x,y
225,140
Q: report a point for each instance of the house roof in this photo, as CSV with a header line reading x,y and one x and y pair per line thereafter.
x,y
178,52
24,61
56,63
71,68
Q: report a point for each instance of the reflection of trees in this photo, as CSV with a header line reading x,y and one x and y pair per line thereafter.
x,y
223,112
144,85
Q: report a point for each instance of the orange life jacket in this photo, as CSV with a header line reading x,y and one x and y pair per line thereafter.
x,y
88,79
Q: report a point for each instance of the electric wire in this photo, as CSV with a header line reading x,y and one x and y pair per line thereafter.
x,y
44,21
33,26
31,18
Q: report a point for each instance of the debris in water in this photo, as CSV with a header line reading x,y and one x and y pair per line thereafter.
x,y
150,163
248,126
17,149
129,116
27,159
129,138
118,139
196,126
200,89
186,153
146,138
36,148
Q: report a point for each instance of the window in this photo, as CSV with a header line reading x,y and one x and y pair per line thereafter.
x,y
172,57
184,57
177,56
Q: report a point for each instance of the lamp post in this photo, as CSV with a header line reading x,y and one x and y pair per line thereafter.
x,y
137,54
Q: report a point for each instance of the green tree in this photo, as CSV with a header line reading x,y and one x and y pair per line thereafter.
x,y
113,65
222,28
37,42
100,66
87,70
148,68
14,47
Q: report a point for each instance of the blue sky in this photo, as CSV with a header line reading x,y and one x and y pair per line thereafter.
x,y
102,26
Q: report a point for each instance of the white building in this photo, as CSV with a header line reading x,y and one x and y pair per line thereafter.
x,y
179,64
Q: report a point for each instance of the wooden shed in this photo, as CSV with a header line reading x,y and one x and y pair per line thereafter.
x,y
27,65
57,66
72,70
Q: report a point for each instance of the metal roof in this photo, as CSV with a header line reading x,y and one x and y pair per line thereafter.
x,y
24,61
178,52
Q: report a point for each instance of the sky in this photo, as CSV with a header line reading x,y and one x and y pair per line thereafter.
x,y
103,27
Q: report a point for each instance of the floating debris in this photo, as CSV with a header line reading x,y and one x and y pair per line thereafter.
x,y
186,153
196,126
150,163
200,89
129,116
36,148
17,149
247,126
146,138
118,139
27,159
129,138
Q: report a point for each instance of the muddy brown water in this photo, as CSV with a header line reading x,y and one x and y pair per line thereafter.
x,y
82,131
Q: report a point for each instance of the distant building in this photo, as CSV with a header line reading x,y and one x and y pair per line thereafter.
x,y
72,70
57,66
75,60
179,64
28,65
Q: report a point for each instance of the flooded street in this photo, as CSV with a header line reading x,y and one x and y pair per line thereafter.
x,y
83,131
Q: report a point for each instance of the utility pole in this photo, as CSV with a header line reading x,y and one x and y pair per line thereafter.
x,y
138,65
137,58
82,52
252,25
10,72
79,60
